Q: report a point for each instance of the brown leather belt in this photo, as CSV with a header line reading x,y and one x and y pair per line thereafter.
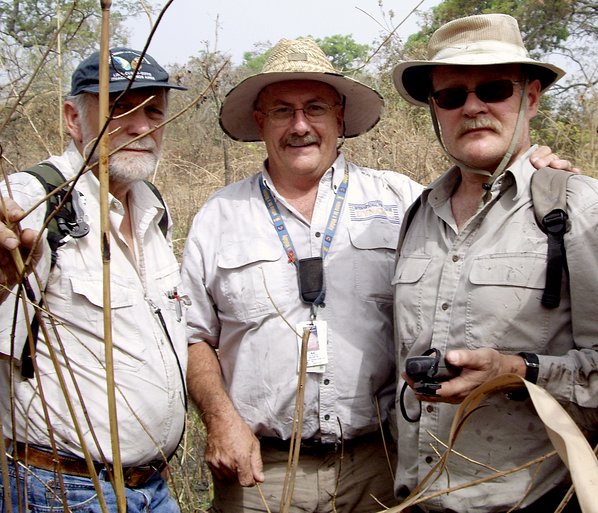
x,y
134,477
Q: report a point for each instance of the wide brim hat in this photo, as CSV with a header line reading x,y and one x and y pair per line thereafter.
x,y
122,65
299,59
481,40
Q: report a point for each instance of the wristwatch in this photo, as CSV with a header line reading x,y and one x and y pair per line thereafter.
x,y
532,366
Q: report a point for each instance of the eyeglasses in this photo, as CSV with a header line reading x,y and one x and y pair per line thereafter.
x,y
312,111
489,92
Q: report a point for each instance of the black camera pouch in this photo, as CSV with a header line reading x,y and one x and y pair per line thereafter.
x,y
311,278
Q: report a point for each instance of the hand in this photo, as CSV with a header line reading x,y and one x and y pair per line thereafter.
x,y
233,452
477,367
543,157
9,241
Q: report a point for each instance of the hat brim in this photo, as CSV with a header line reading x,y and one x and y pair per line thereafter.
x,y
412,78
119,87
363,105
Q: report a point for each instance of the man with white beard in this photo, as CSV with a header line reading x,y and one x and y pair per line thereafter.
x,y
56,420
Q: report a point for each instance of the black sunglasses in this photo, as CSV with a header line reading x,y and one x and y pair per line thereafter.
x,y
489,92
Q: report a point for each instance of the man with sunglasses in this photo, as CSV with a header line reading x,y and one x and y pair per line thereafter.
x,y
469,279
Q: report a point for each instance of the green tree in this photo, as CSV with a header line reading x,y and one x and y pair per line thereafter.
x,y
254,61
343,51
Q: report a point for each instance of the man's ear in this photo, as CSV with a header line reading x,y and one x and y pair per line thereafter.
x,y
533,97
72,122
258,117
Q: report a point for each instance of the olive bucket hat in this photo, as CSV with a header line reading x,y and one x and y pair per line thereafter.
x,y
480,40
299,59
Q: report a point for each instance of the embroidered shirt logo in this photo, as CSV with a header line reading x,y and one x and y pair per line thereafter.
x,y
374,210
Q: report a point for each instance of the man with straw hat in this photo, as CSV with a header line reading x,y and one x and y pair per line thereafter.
x,y
55,386
307,242
469,279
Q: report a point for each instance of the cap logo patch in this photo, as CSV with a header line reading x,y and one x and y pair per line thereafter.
x,y
297,57
123,63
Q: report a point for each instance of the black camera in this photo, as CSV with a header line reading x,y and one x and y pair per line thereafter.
x,y
429,370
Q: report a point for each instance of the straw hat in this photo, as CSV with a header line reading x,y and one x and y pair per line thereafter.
x,y
298,59
481,40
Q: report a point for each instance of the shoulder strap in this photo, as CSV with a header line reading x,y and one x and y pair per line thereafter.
x,y
62,205
163,223
549,197
66,219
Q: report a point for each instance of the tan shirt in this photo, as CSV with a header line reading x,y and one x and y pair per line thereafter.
x,y
481,287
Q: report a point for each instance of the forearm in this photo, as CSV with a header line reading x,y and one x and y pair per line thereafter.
x,y
206,386
232,451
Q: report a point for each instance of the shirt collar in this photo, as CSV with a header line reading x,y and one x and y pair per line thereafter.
x,y
519,172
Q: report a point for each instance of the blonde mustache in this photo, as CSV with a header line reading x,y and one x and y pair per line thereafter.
x,y
474,124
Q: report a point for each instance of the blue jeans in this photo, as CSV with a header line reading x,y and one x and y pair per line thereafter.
x,y
40,492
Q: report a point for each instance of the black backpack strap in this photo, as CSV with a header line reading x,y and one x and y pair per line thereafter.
x,y
163,223
66,220
549,197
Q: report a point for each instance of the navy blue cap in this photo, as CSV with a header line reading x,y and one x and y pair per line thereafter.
x,y
123,61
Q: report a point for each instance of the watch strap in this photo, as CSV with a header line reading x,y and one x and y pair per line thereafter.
x,y
532,366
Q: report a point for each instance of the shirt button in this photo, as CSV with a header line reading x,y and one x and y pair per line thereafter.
x,y
326,417
429,408
455,258
326,381
445,306
429,459
318,234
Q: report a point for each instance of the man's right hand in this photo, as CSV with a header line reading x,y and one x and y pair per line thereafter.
x,y
9,241
233,452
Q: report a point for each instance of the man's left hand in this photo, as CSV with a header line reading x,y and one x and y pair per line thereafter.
x,y
477,367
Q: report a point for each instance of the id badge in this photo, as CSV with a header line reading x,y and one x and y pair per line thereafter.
x,y
317,344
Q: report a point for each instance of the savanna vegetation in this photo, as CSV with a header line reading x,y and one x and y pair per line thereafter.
x,y
42,40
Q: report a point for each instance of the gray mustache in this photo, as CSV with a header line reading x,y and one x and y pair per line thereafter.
x,y
473,124
296,140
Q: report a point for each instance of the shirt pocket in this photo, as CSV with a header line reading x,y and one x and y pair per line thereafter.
x,y
84,302
503,303
254,278
375,246
409,284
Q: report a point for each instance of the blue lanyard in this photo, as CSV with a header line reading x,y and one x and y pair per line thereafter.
x,y
283,234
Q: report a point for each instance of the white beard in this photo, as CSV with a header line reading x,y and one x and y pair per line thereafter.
x,y
127,167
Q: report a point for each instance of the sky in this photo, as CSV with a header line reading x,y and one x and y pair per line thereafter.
x,y
233,26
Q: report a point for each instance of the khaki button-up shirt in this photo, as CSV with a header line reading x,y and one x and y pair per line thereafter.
x,y
481,287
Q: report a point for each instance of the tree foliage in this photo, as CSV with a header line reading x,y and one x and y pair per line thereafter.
x,y
343,51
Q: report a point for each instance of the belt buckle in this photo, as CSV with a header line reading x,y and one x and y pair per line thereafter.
x,y
135,477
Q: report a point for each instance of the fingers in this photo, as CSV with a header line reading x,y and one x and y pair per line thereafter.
x,y
8,238
544,157
238,460
257,466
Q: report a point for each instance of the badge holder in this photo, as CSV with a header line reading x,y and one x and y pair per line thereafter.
x,y
311,289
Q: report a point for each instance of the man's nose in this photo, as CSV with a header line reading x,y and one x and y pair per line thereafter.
x,y
299,121
137,122
473,104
